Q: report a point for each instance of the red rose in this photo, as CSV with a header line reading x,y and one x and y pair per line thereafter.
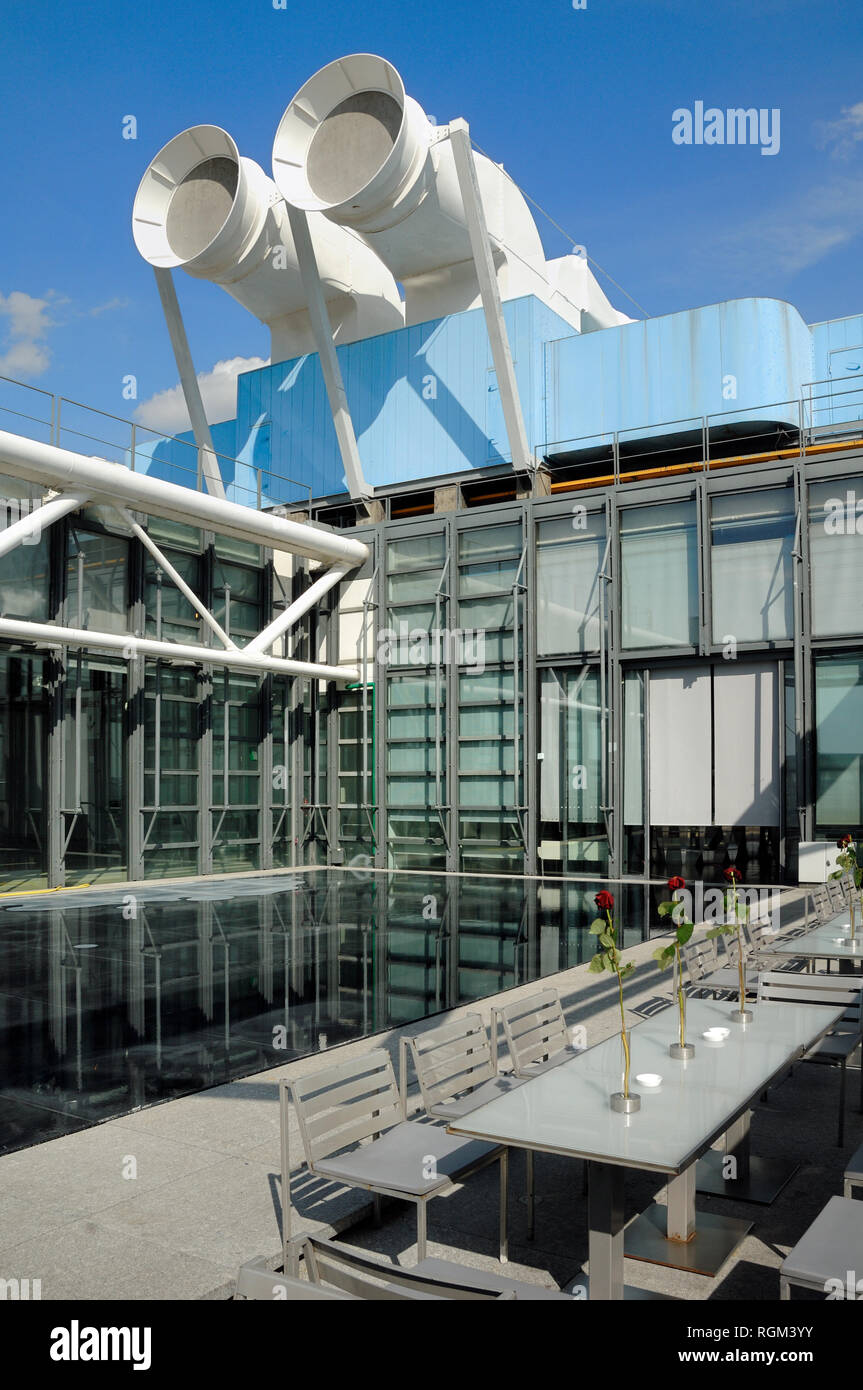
x,y
604,901
732,874
676,882
844,842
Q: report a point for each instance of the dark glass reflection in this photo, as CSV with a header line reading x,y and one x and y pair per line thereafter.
x,y
111,1000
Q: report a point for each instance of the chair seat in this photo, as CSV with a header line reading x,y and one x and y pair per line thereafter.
x,y
854,1171
835,1047
465,1105
832,1245
396,1161
484,1279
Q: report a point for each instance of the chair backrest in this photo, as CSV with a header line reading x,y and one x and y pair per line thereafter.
x,y
833,990
330,1264
698,959
821,903
452,1059
342,1105
534,1029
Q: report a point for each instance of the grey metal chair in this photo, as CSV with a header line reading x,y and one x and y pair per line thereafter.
x,y
854,1173
840,1044
535,1032
457,1073
455,1068
354,1132
537,1040
831,1247
337,1271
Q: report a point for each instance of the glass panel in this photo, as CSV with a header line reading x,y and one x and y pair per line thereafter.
x,y
751,539
488,578
25,576
569,555
836,558
94,768
96,581
572,834
489,540
24,716
659,555
839,740
416,552
407,587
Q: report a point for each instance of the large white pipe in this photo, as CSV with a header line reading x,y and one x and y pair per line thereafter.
x,y
202,207
29,528
111,482
48,634
354,146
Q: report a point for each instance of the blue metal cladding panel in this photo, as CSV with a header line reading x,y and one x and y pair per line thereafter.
x,y
423,399
726,359
837,393
838,336
176,460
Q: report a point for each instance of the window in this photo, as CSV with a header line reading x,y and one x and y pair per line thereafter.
x,y
751,539
836,558
659,559
568,561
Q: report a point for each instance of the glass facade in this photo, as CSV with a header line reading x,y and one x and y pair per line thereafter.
x,y
534,674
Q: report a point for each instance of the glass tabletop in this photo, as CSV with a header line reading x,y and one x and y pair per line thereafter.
x,y
831,941
567,1110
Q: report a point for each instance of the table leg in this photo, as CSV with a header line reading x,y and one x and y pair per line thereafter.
x,y
681,1206
605,1219
739,1174
671,1236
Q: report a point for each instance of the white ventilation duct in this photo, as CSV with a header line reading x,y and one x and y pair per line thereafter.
x,y
217,215
352,145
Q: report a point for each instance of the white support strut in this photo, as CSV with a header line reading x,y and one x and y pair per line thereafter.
x,y
188,593
459,137
285,620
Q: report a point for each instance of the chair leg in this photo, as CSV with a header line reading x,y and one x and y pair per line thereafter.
x,y
504,1199
422,1230
376,1208
841,1139
784,1290
531,1194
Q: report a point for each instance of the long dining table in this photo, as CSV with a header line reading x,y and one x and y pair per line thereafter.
x,y
567,1111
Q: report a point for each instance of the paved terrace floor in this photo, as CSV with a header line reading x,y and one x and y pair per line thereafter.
x,y
206,1195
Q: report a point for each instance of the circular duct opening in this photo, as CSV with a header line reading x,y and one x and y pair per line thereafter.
x,y
200,206
351,144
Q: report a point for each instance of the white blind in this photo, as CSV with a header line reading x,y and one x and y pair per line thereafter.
x,y
680,751
746,737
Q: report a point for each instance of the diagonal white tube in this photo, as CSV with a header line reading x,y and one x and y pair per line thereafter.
x,y
30,526
295,611
164,563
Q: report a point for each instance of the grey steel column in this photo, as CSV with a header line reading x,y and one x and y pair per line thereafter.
x,y
529,704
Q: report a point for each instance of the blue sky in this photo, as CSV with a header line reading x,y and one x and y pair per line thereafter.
x,y
576,103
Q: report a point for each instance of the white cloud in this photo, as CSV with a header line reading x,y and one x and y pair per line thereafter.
x,y
110,304
842,136
25,322
793,235
166,412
